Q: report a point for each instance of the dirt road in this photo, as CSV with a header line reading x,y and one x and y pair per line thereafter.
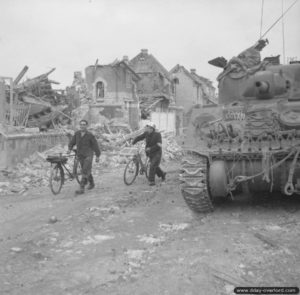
x,y
144,240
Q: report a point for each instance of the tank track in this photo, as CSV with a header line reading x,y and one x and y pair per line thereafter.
x,y
194,182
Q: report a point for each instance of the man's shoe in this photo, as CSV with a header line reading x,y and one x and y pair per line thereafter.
x,y
151,183
90,186
91,182
163,178
80,191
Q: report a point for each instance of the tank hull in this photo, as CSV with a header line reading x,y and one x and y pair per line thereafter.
x,y
250,145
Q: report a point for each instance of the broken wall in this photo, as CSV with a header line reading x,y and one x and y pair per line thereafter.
x,y
186,91
134,115
149,83
116,81
103,113
119,101
15,147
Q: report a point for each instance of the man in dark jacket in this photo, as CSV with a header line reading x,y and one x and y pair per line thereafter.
x,y
153,151
87,145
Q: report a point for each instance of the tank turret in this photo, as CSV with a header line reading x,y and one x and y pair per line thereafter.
x,y
266,85
250,142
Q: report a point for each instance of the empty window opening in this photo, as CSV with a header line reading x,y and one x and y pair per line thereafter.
x,y
99,89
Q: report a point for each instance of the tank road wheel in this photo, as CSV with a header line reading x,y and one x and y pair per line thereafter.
x,y
194,182
218,180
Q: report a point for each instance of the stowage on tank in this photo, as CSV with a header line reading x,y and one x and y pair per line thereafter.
x,y
250,141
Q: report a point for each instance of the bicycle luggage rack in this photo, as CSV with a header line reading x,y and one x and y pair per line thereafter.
x,y
57,159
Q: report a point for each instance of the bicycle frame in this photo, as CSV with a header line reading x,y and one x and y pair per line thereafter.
x,y
63,165
142,165
71,174
134,167
59,170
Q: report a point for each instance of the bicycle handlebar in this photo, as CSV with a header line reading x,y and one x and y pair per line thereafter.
x,y
139,147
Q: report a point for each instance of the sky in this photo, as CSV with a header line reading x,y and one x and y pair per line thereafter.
x,y
70,35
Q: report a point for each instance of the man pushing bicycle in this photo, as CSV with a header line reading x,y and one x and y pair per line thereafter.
x,y
153,151
87,145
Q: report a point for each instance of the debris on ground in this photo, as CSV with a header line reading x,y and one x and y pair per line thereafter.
x,y
171,149
34,171
16,249
115,143
80,113
80,86
53,219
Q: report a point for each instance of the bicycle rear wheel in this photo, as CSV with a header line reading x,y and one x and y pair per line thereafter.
x,y
56,179
131,172
77,171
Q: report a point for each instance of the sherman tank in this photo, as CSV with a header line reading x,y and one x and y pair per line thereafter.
x,y
250,141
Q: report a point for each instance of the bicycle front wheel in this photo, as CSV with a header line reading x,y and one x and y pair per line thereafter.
x,y
56,179
131,172
77,170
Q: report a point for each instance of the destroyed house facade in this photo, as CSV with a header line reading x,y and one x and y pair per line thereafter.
x,y
155,91
112,88
26,109
35,104
191,89
209,91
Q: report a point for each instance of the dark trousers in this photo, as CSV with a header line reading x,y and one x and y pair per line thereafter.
x,y
86,168
154,167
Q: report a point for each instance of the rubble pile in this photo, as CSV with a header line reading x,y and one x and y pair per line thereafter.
x,y
119,143
171,149
80,113
111,160
36,103
34,171
112,136
40,88
116,149
81,88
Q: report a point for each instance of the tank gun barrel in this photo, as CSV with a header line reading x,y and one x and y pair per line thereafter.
x,y
266,85
262,87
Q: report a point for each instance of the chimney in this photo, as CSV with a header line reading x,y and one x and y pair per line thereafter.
x,y
193,71
78,75
126,59
144,51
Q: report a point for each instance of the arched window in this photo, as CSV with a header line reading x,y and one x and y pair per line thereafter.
x,y
99,89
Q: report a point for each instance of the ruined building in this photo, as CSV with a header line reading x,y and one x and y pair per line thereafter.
x,y
112,89
155,92
191,89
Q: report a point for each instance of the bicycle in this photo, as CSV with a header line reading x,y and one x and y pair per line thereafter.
x,y
136,166
58,168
